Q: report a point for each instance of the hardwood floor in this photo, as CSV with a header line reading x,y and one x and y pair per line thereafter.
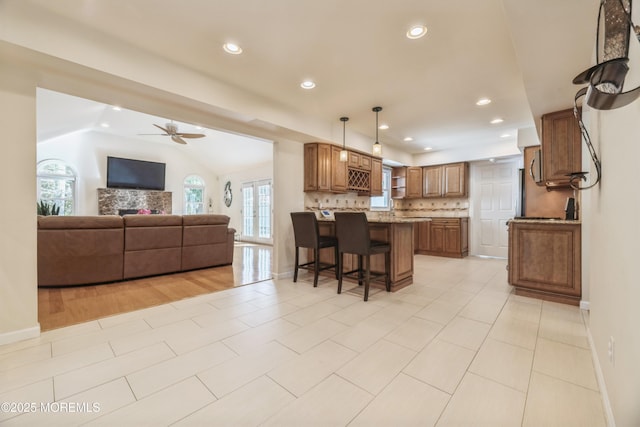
x,y
58,307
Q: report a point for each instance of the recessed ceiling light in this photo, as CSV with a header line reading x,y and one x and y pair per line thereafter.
x,y
116,108
232,48
496,121
416,32
104,125
408,139
199,127
307,84
483,101
383,127
428,148
505,135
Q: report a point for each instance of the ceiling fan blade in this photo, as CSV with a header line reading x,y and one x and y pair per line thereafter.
x,y
163,129
190,135
176,138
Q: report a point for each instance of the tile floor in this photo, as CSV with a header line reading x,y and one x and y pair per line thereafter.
x,y
454,349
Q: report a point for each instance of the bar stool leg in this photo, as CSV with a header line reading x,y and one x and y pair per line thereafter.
x,y
367,277
387,268
360,271
295,270
316,267
340,259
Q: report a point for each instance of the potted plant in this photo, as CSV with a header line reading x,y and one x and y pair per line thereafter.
x,y
48,208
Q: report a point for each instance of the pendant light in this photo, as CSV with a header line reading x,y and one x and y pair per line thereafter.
x,y
344,154
377,147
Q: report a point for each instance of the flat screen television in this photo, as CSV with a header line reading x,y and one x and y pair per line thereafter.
x,y
135,174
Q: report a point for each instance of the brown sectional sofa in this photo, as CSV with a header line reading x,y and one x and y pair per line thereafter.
x,y
80,250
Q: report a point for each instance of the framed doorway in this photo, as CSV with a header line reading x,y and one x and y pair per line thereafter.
x,y
257,212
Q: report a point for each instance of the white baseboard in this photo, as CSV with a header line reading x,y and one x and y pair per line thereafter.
x,y
585,305
606,404
20,335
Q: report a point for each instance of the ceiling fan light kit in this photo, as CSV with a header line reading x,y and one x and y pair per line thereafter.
x,y
171,130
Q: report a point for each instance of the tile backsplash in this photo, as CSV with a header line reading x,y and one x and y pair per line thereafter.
x,y
401,207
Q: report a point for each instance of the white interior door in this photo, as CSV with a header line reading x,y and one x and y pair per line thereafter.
x,y
494,194
257,215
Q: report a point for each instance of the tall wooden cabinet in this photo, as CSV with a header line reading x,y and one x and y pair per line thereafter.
x,y
339,174
450,180
561,147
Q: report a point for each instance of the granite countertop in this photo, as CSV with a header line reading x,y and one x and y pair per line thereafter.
x,y
391,220
558,221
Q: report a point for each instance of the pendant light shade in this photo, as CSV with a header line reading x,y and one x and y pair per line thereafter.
x,y
344,154
377,147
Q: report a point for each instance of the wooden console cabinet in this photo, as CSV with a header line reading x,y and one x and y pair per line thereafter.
x,y
545,260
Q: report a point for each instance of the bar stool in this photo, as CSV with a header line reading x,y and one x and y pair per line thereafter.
x,y
307,235
352,230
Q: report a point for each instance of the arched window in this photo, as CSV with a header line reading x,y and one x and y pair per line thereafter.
x,y
193,195
57,185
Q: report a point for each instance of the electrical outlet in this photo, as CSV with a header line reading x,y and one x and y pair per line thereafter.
x,y
612,350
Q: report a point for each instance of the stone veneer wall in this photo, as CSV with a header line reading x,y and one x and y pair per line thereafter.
x,y
110,200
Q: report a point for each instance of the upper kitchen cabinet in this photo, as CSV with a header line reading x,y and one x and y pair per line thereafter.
x,y
323,170
561,147
450,180
406,182
414,182
376,177
359,161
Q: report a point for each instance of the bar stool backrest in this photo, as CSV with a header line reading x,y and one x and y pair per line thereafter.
x,y
305,229
352,231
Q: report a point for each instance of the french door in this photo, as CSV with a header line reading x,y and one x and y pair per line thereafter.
x,y
257,212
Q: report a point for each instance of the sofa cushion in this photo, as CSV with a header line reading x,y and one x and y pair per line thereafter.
x,y
189,220
83,222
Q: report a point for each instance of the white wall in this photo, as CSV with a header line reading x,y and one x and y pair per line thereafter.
x,y
18,274
86,153
253,173
614,271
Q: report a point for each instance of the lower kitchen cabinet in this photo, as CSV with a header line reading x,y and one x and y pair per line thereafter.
x,y
442,237
545,260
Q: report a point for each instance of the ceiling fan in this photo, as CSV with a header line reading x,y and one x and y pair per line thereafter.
x,y
171,130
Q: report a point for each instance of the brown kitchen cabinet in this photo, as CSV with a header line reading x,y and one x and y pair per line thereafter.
x,y
406,182
359,161
324,172
561,147
338,172
545,260
375,186
414,182
443,237
450,180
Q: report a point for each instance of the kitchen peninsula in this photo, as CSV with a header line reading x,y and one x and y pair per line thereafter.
x,y
398,232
